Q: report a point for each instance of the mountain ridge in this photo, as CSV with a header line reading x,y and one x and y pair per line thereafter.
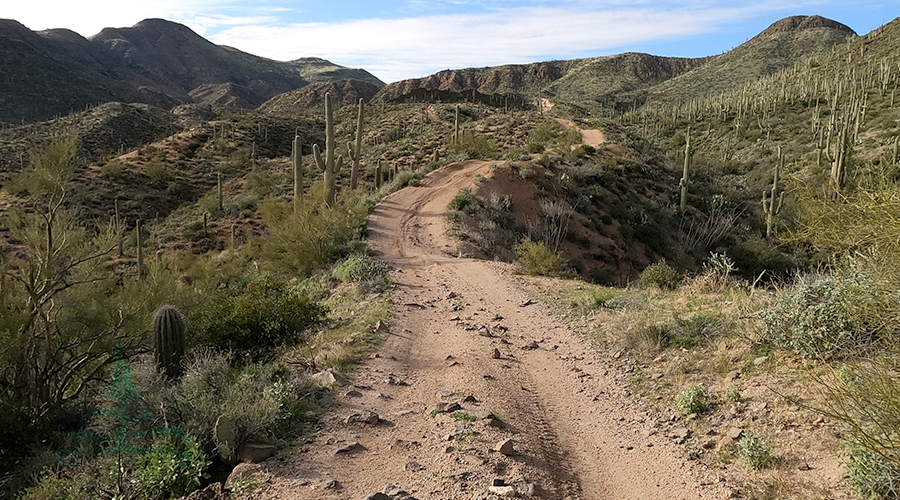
x,y
158,62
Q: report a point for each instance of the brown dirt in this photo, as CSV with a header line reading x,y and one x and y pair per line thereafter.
x,y
577,433
591,137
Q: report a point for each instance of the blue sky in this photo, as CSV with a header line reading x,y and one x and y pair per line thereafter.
x,y
400,39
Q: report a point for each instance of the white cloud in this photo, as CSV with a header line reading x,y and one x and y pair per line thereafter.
x,y
394,49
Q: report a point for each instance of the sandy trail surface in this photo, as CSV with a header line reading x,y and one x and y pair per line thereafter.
x,y
591,137
576,433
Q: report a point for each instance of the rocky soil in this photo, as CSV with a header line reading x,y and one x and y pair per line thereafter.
x,y
478,392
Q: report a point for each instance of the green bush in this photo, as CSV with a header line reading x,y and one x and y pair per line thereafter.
x,y
823,315
754,451
261,315
692,400
475,146
464,202
536,258
369,275
660,274
872,475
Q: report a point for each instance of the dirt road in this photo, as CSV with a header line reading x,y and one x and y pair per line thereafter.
x,y
575,433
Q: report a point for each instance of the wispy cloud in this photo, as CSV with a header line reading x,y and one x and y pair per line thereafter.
x,y
415,46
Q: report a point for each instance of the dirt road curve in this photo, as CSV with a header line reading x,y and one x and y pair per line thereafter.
x,y
576,434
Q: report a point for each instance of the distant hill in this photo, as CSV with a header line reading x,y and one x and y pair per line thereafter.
x,y
312,97
586,83
780,46
157,62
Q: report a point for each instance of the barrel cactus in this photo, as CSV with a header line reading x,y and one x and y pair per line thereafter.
x,y
168,340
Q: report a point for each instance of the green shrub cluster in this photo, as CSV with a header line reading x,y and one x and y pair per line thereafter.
x,y
692,400
475,146
369,275
534,257
684,332
262,314
754,452
827,314
660,274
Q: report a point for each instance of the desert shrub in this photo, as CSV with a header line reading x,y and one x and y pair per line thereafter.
x,y
826,314
865,398
692,400
260,400
369,275
475,146
256,317
754,452
536,258
158,172
464,202
306,235
660,274
873,475
113,169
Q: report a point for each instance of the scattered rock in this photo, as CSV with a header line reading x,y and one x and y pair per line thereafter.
x,y
505,447
255,453
365,417
353,394
243,470
818,421
733,375
451,295
452,407
445,393
526,303
332,484
804,467
353,447
735,432
211,492
502,491
381,328
393,490
413,466
470,399
680,433
531,345
760,360
496,354
391,380
327,378
378,496
439,407
725,442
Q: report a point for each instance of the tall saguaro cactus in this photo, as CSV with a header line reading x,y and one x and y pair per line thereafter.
x,y
685,176
329,164
770,207
168,341
297,164
356,152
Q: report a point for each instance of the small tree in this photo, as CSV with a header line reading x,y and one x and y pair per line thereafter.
x,y
57,331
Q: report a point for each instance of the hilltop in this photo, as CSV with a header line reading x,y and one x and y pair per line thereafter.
x,y
157,62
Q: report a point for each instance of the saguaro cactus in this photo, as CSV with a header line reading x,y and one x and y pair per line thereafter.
x,y
168,341
140,250
297,164
329,164
378,175
770,207
685,176
355,152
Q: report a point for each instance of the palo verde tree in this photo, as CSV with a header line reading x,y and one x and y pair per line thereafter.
x,y
59,324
